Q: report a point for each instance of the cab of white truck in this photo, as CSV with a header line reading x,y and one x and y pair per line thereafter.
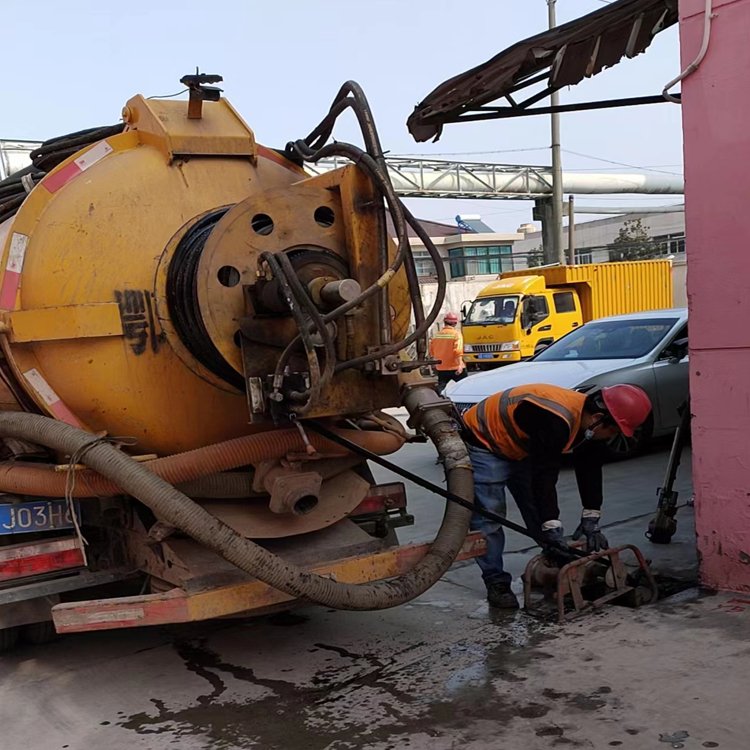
x,y
513,318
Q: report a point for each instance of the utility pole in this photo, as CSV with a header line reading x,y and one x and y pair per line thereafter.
x,y
571,232
556,251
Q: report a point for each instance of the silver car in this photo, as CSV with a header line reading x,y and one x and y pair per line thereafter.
x,y
646,349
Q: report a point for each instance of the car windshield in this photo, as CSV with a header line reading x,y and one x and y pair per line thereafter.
x,y
487,310
610,339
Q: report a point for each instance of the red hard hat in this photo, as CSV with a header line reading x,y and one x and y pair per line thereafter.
x,y
451,318
628,405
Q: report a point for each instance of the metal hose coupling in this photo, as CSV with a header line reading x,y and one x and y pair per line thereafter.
x,y
435,416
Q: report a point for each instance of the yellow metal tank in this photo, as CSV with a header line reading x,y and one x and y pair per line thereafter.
x,y
133,300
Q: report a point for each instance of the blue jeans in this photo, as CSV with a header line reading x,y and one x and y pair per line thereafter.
x,y
492,474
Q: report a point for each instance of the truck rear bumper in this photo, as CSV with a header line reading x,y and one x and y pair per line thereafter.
x,y
249,597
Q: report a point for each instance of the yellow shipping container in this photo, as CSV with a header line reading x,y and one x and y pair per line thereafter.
x,y
611,288
523,311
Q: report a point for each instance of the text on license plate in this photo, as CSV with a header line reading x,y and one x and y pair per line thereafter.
x,y
39,515
485,356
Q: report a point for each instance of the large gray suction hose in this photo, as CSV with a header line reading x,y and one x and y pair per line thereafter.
x,y
172,506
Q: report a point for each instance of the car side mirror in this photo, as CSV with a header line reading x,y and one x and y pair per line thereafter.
x,y
677,351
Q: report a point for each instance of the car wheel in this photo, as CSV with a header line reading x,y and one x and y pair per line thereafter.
x,y
621,447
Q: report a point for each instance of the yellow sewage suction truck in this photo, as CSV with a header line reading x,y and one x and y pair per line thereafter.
x,y
522,312
184,313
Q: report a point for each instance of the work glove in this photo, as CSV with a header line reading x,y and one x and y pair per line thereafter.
x,y
589,528
553,538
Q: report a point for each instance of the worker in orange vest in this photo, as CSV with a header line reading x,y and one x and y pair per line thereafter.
x,y
447,346
516,439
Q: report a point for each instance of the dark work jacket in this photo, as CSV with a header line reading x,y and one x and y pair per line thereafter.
x,y
548,436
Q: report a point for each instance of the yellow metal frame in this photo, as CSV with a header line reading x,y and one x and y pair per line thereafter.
x,y
165,125
66,322
244,598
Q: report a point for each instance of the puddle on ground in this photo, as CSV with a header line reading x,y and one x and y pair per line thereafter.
x,y
360,697
382,691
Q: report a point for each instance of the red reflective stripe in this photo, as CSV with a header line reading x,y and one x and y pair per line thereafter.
x,y
13,269
382,497
36,561
54,403
9,290
56,180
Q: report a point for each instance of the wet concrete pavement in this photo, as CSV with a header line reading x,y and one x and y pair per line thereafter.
x,y
442,672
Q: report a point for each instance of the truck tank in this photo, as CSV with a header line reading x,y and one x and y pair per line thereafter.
x,y
172,287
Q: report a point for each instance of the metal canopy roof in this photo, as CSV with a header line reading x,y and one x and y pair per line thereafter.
x,y
562,56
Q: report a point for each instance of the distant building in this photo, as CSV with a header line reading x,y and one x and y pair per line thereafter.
x,y
474,258
466,254
592,238
473,255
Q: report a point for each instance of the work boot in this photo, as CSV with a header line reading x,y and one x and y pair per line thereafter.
x,y
499,595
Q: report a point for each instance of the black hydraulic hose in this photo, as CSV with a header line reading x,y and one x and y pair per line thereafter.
x,y
398,210
54,151
321,429
176,509
312,357
416,300
303,299
14,184
312,148
9,206
400,215
45,158
370,166
351,95
13,190
431,317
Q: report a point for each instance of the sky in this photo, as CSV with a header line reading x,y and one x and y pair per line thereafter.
x,y
77,62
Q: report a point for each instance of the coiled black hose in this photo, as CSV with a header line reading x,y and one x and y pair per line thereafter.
x,y
56,150
45,158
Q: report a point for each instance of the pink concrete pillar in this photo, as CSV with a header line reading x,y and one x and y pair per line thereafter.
x,y
716,123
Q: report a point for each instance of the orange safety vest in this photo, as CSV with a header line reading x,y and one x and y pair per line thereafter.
x,y
448,347
492,422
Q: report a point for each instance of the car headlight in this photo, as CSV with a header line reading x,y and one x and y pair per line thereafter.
x,y
468,348
510,346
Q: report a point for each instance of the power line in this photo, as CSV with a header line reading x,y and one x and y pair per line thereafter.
x,y
652,167
620,163
470,153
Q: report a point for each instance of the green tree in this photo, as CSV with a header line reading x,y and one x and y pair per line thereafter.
x,y
535,257
633,242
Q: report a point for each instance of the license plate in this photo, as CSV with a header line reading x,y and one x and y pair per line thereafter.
x,y
40,515
485,356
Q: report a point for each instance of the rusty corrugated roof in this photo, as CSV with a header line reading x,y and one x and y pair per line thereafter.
x,y
562,56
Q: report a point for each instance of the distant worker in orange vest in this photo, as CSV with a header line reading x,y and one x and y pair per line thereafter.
x,y
516,439
448,347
